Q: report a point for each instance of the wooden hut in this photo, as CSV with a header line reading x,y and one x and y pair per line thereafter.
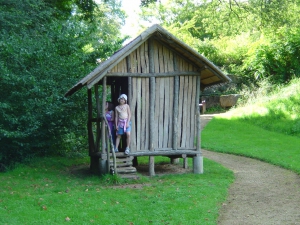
x,y
162,77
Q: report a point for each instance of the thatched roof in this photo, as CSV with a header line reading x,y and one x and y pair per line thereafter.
x,y
210,74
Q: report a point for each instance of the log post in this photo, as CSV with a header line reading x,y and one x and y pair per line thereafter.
x,y
104,145
89,123
151,107
98,123
185,161
102,113
198,159
94,160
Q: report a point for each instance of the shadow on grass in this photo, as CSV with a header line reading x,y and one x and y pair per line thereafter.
x,y
81,171
163,169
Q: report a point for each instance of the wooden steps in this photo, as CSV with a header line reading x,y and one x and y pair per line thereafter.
x,y
124,166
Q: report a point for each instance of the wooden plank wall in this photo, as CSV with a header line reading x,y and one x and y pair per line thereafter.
x,y
186,107
139,104
163,114
164,96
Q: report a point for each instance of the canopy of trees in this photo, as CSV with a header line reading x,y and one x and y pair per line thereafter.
x,y
46,46
254,38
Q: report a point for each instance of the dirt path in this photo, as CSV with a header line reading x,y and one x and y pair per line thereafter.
x,y
261,194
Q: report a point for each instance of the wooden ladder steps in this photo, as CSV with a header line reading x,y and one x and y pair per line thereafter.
x,y
124,166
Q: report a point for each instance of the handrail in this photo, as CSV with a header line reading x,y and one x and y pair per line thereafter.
x,y
112,147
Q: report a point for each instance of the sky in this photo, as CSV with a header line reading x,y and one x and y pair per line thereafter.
x,y
131,7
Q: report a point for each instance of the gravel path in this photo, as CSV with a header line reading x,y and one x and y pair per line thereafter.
x,y
261,194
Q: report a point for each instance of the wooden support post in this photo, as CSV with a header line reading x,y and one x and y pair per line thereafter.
x,y
198,160
198,164
174,161
89,123
97,144
151,107
94,160
175,105
104,146
185,161
102,113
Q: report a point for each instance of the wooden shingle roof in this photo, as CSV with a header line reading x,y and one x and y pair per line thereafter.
x,y
210,73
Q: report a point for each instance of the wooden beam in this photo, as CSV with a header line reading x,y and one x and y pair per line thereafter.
x,y
179,153
153,74
186,153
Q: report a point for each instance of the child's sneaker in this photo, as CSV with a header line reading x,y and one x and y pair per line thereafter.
x,y
116,150
127,151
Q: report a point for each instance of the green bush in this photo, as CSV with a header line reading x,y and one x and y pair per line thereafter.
x,y
43,55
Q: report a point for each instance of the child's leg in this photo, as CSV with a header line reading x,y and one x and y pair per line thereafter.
x,y
128,139
127,150
118,141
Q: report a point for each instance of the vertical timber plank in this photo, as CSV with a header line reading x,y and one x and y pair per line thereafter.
x,y
184,110
147,91
147,116
133,102
138,113
175,105
156,92
143,113
167,96
143,99
171,103
151,107
188,109
161,98
180,101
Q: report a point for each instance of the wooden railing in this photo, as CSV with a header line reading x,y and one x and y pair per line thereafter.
x,y
109,147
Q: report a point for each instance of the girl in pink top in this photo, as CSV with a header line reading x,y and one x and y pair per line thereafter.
x,y
110,117
122,122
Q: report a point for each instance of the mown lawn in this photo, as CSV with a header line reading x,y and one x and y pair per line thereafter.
x,y
266,127
49,191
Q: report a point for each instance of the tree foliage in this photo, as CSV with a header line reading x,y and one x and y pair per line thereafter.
x,y
252,39
46,47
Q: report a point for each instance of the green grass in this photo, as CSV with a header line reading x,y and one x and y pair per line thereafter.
x,y
267,128
50,191
275,110
241,138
